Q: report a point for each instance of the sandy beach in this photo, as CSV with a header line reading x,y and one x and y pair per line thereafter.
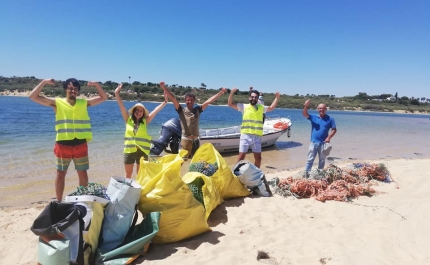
x,y
387,228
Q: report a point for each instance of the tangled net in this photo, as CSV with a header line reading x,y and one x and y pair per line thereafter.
x,y
95,189
333,183
196,188
204,167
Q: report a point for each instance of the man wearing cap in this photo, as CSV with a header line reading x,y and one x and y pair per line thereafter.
x,y
137,142
190,118
320,137
73,128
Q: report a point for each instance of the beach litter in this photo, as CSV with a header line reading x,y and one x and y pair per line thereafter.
x,y
94,189
203,167
333,182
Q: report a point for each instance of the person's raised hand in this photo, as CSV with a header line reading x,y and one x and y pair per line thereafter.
x,y
49,81
92,83
118,89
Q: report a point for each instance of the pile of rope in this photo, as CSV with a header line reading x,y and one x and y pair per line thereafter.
x,y
333,183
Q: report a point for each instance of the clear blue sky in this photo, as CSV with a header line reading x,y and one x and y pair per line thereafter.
x,y
295,47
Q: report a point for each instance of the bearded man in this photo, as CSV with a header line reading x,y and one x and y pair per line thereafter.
x,y
252,123
73,128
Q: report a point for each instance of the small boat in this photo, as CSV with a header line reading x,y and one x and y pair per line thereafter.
x,y
223,139
227,139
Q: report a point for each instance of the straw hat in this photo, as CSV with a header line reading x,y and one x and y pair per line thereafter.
x,y
146,112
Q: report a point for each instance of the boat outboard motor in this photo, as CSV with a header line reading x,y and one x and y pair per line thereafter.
x,y
170,134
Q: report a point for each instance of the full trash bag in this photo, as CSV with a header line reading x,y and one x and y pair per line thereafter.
x,y
252,177
227,184
204,189
59,228
135,244
163,190
93,220
124,195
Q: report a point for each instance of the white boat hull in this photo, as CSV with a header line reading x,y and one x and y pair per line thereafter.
x,y
227,139
231,144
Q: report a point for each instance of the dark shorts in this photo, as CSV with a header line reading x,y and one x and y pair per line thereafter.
x,y
66,153
131,158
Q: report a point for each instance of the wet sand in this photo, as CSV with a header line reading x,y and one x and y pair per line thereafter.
x,y
283,158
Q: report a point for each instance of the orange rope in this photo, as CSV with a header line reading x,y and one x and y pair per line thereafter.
x,y
338,184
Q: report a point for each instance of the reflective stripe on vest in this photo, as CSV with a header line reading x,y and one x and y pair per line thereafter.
x,y
72,121
141,138
252,122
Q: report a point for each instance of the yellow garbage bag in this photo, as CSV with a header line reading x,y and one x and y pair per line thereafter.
x,y
163,190
206,191
227,184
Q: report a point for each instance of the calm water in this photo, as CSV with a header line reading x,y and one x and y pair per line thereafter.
x,y
27,135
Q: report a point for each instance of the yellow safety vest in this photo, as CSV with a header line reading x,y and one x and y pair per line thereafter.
x,y
72,121
252,121
141,138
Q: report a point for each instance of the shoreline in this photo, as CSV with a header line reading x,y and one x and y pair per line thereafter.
x,y
394,218
15,93
43,191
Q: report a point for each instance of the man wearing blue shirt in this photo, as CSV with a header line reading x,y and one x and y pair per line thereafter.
x,y
321,125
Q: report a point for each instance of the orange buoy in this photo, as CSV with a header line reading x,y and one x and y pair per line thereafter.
x,y
281,125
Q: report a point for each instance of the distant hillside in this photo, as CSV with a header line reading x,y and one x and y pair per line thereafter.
x,y
152,92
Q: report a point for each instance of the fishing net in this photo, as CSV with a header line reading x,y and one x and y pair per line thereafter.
x,y
196,188
196,185
204,167
95,189
333,183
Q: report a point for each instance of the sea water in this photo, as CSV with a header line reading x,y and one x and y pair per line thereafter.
x,y
27,136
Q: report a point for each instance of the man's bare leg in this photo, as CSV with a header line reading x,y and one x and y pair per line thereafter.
x,y
59,184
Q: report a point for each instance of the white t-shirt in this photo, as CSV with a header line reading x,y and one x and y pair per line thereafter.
x,y
261,100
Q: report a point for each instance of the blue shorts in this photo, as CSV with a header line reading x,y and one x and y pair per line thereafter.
x,y
250,140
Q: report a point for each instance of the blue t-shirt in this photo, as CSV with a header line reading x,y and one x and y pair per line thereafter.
x,y
320,127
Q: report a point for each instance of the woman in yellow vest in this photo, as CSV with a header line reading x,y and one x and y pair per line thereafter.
x,y
137,142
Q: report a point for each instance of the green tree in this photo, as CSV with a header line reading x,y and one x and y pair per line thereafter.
x,y
362,96
415,102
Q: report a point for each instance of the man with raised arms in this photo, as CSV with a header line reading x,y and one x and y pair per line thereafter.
x,y
73,128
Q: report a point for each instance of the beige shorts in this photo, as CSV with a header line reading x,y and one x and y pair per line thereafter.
x,y
190,145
